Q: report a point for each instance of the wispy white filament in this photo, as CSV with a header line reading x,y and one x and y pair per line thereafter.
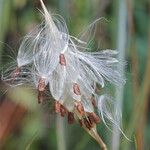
x,y
62,61
109,113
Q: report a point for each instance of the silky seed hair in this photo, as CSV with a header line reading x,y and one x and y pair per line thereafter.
x,y
93,67
50,56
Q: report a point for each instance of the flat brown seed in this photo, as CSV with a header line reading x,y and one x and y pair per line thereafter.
x,y
76,89
62,60
41,84
95,117
57,106
87,124
15,73
71,118
63,111
91,119
80,108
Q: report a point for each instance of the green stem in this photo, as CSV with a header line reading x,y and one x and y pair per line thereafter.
x,y
60,132
121,46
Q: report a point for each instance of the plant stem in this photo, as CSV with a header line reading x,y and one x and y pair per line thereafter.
x,y
121,45
140,93
60,132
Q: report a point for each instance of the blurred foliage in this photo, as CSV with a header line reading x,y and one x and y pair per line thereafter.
x,y
37,131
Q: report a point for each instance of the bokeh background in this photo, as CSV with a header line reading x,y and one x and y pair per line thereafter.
x,y
25,125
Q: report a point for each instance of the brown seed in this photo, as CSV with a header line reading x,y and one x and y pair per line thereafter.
x,y
62,60
87,124
41,84
15,73
76,89
91,119
63,111
80,108
57,106
71,118
95,117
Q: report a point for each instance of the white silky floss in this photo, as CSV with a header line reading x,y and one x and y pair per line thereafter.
x,y
49,55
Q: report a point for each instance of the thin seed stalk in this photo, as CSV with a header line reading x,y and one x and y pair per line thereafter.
x,y
60,133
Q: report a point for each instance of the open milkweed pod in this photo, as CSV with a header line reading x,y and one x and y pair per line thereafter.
x,y
91,68
60,60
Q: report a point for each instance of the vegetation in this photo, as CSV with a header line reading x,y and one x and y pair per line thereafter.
x,y
24,124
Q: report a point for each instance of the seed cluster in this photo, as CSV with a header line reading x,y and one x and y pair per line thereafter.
x,y
49,56
87,119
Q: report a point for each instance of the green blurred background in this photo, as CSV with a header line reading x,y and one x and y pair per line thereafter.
x,y
25,125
